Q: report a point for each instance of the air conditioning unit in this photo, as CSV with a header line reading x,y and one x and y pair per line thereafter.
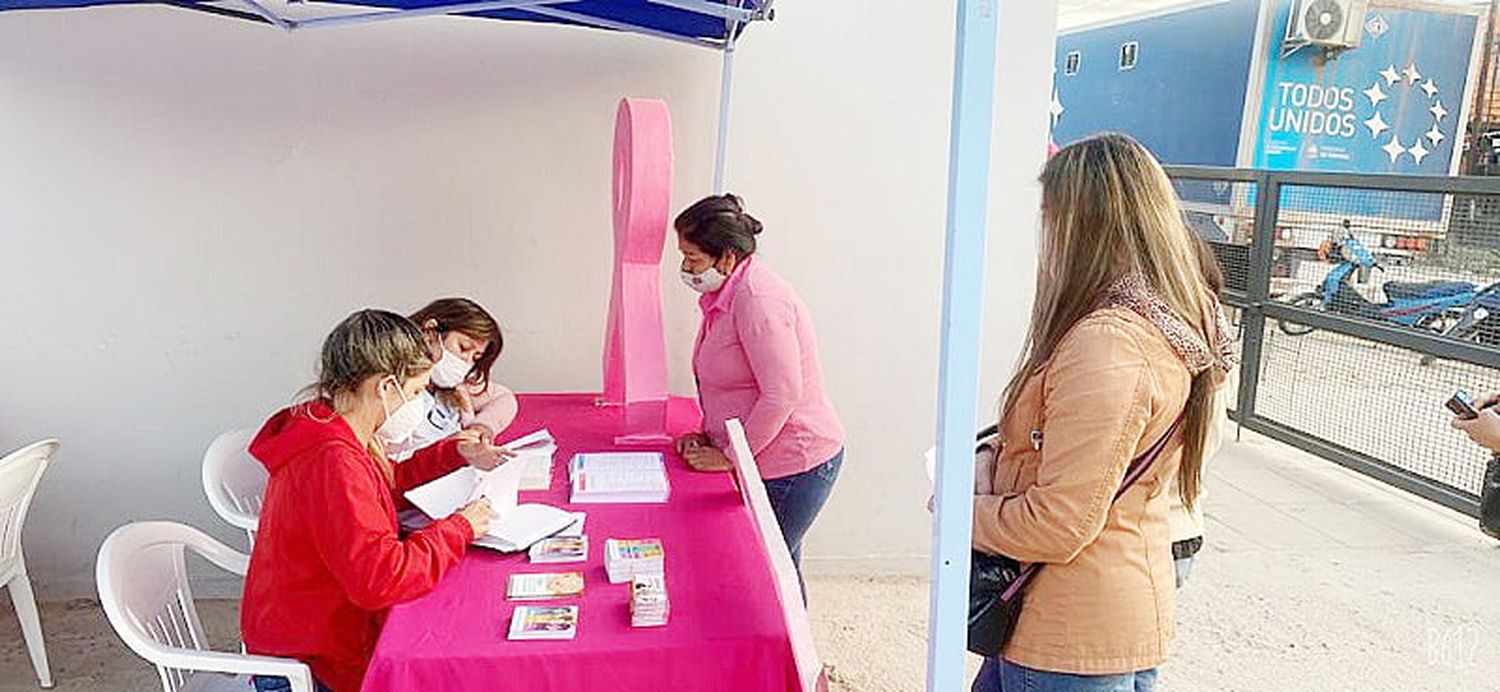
x,y
1333,25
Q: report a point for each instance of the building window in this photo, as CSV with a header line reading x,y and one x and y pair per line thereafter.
x,y
1070,67
1128,53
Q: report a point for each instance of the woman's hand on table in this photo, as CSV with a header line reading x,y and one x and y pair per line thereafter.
x,y
691,441
483,455
706,458
480,515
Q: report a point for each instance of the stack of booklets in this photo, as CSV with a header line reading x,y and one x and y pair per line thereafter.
x,y
626,559
560,549
544,622
619,477
534,452
649,606
544,587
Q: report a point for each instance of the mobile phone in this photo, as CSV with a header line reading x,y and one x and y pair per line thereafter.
x,y
1462,405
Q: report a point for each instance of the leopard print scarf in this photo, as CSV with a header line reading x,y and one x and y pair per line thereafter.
x,y
1133,292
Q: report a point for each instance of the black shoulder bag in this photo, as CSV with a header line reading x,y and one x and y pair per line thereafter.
x,y
996,582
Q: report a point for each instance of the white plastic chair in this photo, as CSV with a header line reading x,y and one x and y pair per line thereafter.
x,y
788,586
20,472
143,586
234,481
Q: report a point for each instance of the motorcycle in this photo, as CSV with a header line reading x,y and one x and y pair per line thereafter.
x,y
1479,321
1430,305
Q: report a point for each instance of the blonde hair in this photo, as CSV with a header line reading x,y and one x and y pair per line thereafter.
x,y
1108,211
369,343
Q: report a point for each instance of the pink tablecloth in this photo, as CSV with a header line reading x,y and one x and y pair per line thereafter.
x,y
726,630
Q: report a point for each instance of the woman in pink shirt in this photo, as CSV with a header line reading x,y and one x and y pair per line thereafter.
x,y
756,360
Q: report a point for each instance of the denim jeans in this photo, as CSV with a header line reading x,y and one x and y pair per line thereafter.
x,y
999,675
1184,567
796,500
277,684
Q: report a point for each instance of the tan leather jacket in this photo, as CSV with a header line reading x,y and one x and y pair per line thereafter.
x,y
1104,602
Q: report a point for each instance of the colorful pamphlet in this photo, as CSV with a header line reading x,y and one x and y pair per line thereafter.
x,y
544,622
627,558
544,587
560,550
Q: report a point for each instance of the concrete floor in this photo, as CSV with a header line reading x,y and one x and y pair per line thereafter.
x,y
1312,578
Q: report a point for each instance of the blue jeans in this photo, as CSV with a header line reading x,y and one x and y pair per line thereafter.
x,y
796,500
277,684
1184,567
999,675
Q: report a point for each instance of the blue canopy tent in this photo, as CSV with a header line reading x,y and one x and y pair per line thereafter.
x,y
717,25
713,24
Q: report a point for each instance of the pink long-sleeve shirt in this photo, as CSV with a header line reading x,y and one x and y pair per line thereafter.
x,y
757,360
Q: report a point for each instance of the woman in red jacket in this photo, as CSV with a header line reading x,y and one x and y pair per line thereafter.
x,y
328,560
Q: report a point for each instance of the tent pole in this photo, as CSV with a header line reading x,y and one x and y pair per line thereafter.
x,y
1020,36
268,15
958,369
726,85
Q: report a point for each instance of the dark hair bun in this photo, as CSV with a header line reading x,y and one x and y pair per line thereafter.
x,y
752,224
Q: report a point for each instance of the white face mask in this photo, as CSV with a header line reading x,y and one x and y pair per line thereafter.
x,y
401,423
707,282
450,370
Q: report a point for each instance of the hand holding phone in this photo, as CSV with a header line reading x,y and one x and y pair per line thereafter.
x,y
1462,405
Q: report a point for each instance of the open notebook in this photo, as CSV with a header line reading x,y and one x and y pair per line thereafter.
x,y
518,526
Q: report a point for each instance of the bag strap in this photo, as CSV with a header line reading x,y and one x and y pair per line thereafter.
x,y
1133,473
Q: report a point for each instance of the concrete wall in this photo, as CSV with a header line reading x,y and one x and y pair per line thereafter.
x,y
188,204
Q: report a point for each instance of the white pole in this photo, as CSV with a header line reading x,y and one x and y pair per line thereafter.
x,y
726,85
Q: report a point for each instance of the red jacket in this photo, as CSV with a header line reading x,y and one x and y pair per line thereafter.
x,y
328,561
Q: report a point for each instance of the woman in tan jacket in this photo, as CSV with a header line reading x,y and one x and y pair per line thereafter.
x,y
1125,336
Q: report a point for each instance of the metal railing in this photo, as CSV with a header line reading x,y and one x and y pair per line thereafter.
x,y
1350,355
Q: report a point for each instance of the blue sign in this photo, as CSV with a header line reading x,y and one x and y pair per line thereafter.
x,y
1392,105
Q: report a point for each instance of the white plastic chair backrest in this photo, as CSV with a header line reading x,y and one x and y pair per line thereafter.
x,y
20,472
234,481
143,586
788,586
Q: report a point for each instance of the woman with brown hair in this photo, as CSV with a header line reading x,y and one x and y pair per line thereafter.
x,y
464,342
756,360
1126,336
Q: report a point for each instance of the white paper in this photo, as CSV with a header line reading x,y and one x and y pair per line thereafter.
x,y
574,530
442,497
540,438
929,461
524,525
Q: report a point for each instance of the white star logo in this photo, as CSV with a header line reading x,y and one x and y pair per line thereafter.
x,y
1430,88
1438,111
1056,109
1375,94
1377,125
1390,74
1418,151
1435,135
1412,75
1394,148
